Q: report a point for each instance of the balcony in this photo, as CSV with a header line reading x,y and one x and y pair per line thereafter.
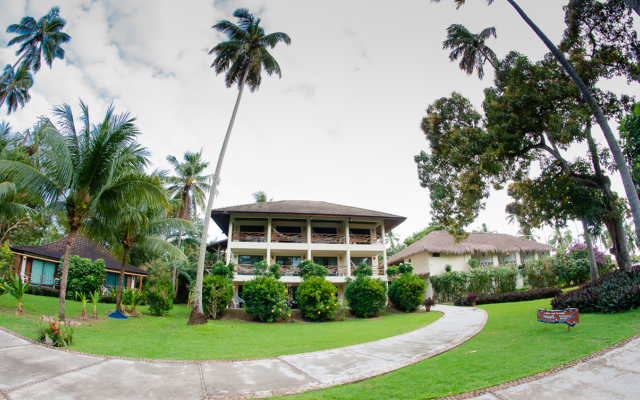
x,y
278,237
316,238
290,270
328,238
249,237
364,239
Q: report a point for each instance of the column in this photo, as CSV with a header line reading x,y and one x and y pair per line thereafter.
x,y
347,241
494,258
24,267
309,238
227,254
269,239
384,253
536,255
518,258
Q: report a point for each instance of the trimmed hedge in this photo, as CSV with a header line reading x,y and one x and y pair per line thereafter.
x,y
318,298
489,280
407,292
616,292
42,291
523,295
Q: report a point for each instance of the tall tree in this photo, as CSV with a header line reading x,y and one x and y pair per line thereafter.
x,y
596,110
83,167
37,39
242,57
470,48
261,197
190,185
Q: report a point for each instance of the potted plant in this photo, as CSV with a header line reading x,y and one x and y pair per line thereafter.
x,y
428,302
472,298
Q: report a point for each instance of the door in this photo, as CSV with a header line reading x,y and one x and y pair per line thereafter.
x,y
37,270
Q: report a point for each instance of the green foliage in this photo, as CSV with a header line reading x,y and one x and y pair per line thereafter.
x,y
473,263
539,273
308,269
221,269
490,280
415,236
512,297
85,276
7,259
160,272
363,270
60,335
266,298
317,298
132,298
449,285
217,291
407,292
262,268
630,137
392,270
159,299
365,295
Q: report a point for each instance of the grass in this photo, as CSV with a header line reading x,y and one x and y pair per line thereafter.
x,y
512,345
171,338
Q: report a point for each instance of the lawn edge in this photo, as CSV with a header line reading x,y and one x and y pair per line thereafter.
x,y
539,375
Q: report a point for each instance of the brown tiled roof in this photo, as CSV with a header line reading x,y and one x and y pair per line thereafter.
x,y
443,242
302,208
82,247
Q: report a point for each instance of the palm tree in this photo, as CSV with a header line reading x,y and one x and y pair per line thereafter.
x,y
39,38
470,48
136,221
81,169
261,197
190,186
242,57
392,239
14,87
629,187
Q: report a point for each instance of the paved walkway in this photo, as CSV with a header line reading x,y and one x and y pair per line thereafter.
x,y
32,371
613,375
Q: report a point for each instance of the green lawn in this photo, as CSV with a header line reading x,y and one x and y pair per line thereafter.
x,y
170,338
512,345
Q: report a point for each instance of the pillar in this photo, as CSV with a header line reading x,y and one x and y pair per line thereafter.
x,y
347,241
384,253
309,238
269,240
494,258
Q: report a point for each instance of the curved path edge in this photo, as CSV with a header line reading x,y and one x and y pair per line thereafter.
x,y
32,370
600,357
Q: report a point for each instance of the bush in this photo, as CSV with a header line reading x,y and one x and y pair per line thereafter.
x,y
407,292
132,298
160,273
308,268
603,261
266,298
217,291
43,291
159,300
61,336
317,298
490,280
109,300
85,276
7,259
570,271
521,295
540,273
449,285
613,293
366,296
221,269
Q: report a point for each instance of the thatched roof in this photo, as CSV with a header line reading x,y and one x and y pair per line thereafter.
x,y
302,208
82,247
443,242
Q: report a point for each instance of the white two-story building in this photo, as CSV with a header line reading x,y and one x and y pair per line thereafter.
x,y
288,232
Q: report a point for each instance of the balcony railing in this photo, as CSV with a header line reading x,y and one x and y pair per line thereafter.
x,y
249,236
278,237
485,264
290,270
364,239
328,238
338,271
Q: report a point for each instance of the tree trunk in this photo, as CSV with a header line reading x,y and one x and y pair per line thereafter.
x,y
592,258
73,232
632,195
197,316
618,241
175,268
120,281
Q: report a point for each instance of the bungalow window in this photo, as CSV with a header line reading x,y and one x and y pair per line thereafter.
x,y
249,260
328,231
113,279
326,261
436,254
289,229
251,228
42,272
288,260
359,231
356,261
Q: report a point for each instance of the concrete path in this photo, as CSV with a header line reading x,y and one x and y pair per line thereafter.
x,y
32,371
613,375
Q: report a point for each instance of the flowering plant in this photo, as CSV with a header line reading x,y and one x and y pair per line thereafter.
x,y
60,336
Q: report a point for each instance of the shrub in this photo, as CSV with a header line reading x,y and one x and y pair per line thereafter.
x,y
160,273
132,298
159,300
61,336
366,296
448,268
266,298
473,263
221,269
540,273
613,293
7,259
522,295
85,276
449,285
490,280
603,261
217,291
308,268
571,271
43,291
109,300
429,302
407,292
317,298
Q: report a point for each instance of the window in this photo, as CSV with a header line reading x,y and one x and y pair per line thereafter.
x,y
113,279
288,260
436,254
359,231
249,260
251,228
326,261
42,272
356,261
289,229
409,261
329,231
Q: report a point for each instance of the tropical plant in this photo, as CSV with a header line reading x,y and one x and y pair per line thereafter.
x,y
365,295
59,335
159,299
14,88
83,300
190,185
597,112
470,48
407,292
7,259
217,291
308,269
132,298
95,299
318,298
83,168
242,57
16,288
261,197
266,298
85,276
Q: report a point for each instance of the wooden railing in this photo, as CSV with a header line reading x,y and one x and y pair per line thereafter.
x,y
485,264
280,237
249,236
289,270
43,280
328,238
292,270
244,269
337,271
364,239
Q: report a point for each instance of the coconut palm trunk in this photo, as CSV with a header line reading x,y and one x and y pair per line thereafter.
x,y
175,266
125,254
632,195
197,316
592,258
73,232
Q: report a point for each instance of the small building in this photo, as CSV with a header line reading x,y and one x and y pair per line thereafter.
x,y
288,232
41,264
435,251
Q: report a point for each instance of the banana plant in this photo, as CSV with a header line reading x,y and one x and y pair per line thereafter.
x,y
83,300
16,288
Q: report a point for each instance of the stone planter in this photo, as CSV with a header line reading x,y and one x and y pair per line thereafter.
x,y
427,308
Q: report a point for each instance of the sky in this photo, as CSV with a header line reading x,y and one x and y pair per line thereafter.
x,y
342,125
